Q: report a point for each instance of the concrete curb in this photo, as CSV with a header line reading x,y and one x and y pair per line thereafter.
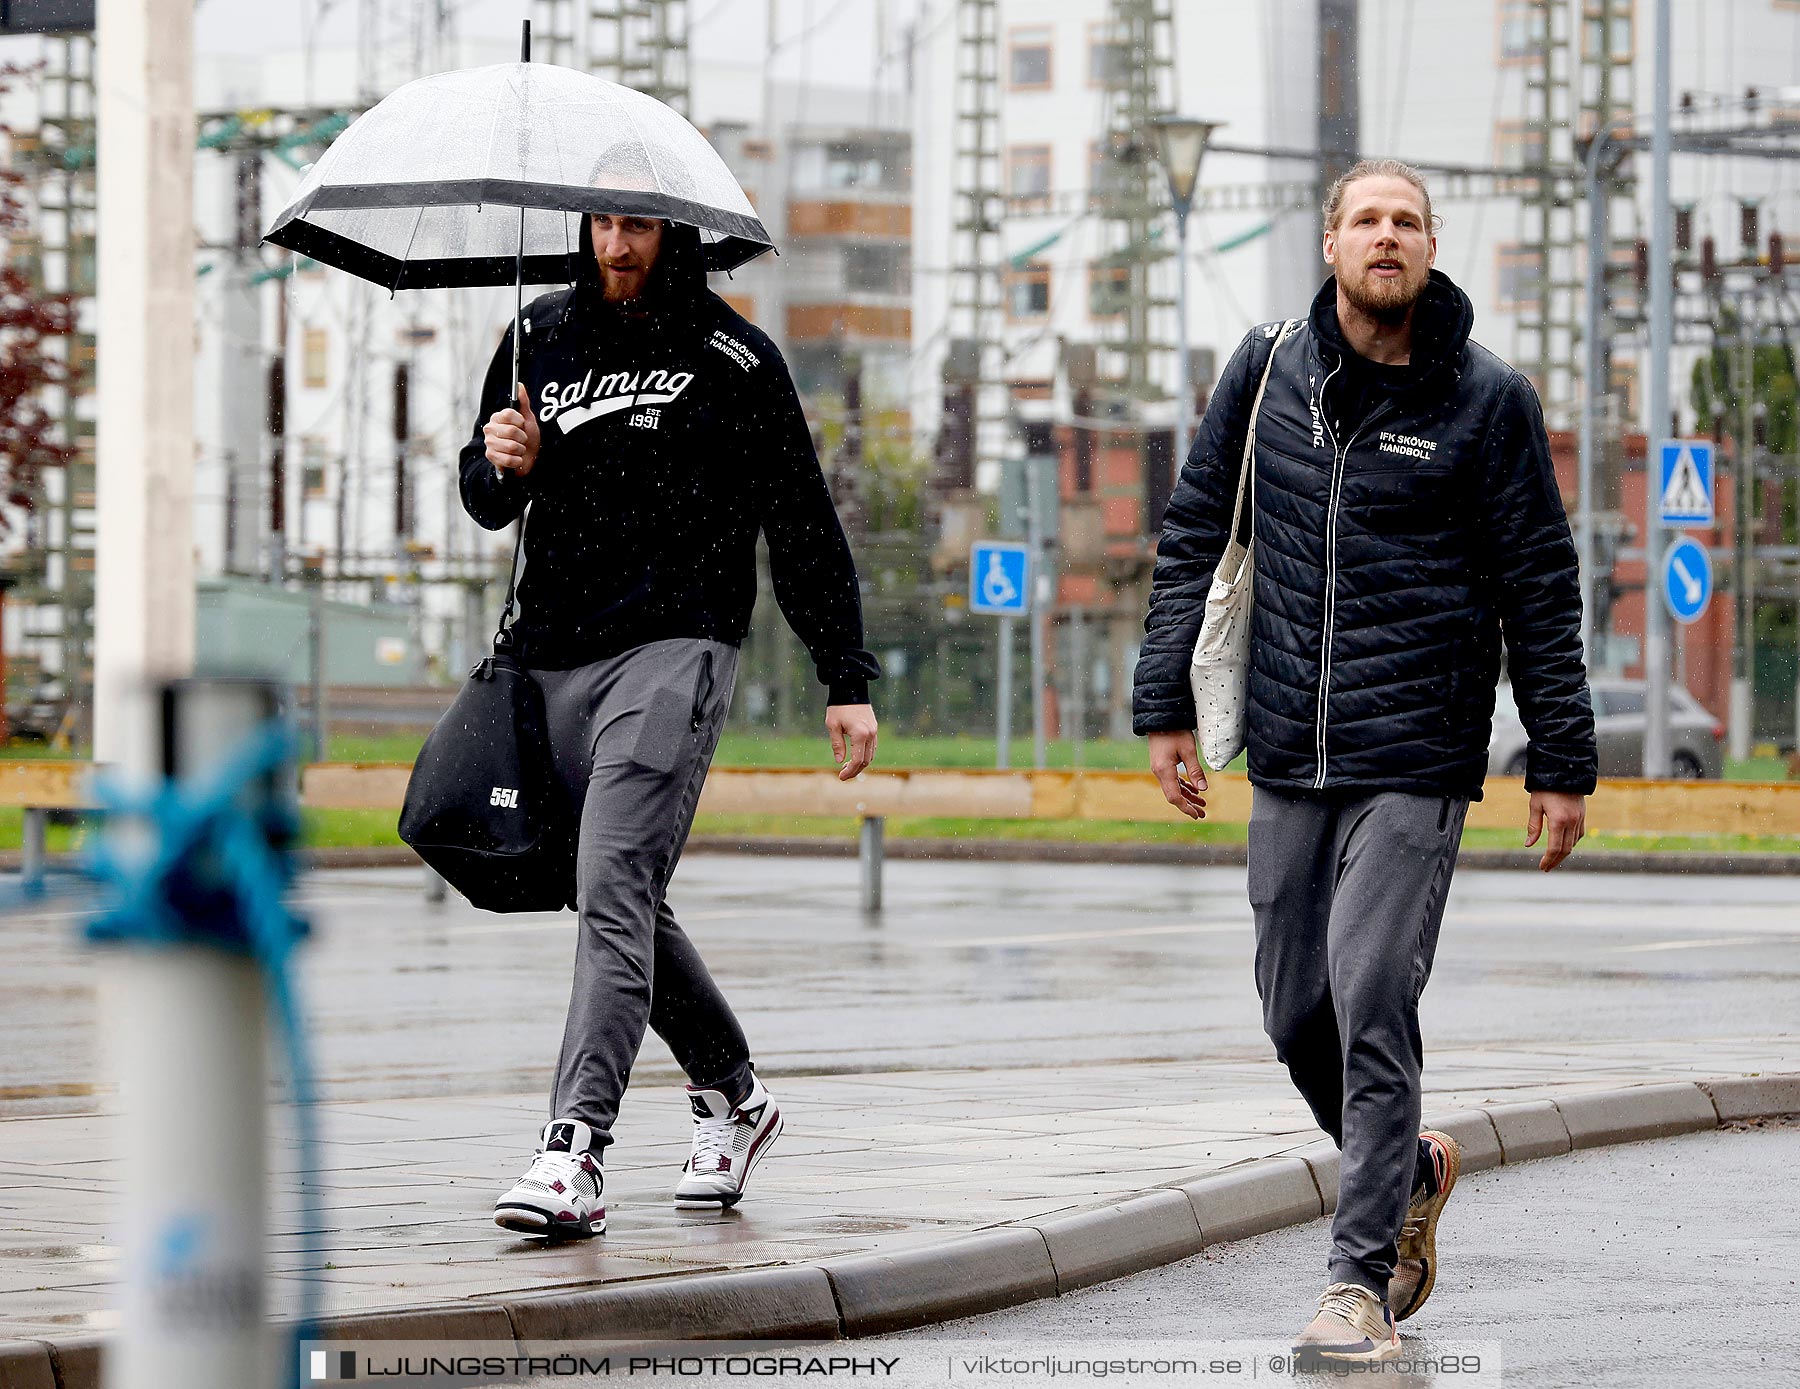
x,y
1254,1198
25,1365
1760,864
1750,865
1162,1227
974,1273
1752,1097
1650,1111
867,1295
759,1304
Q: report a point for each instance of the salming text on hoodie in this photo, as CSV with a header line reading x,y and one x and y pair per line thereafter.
x,y
671,436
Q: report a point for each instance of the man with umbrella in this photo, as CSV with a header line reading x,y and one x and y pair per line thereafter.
x,y
644,434
655,432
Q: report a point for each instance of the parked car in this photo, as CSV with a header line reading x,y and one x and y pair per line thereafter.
x,y
1696,738
37,719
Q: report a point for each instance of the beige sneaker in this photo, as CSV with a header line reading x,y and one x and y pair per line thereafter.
x,y
1353,1324
1415,1272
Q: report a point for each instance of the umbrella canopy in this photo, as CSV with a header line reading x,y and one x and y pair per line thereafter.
x,y
430,188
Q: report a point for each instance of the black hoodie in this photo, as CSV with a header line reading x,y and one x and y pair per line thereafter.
x,y
672,435
1405,524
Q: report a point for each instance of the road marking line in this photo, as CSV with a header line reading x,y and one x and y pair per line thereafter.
x,y
1699,943
1056,937
545,921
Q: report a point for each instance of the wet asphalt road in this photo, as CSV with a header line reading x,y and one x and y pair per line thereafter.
x,y
1670,1263
972,965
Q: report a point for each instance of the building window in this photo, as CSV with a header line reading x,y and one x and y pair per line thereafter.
x,y
1107,57
312,466
867,166
1624,402
314,358
1522,31
1028,291
875,267
1518,277
1099,172
1028,177
1028,60
1518,145
1617,47
1109,290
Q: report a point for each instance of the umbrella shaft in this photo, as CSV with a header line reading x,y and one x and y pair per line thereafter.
x,y
518,301
519,267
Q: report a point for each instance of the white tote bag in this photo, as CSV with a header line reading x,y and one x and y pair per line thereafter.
x,y
1220,670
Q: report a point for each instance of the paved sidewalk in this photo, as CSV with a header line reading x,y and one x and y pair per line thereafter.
x,y
874,1163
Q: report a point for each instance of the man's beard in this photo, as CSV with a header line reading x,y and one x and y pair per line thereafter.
x,y
1384,299
612,284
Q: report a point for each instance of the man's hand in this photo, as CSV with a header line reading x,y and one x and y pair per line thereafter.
x,y
1566,814
513,438
1170,754
852,729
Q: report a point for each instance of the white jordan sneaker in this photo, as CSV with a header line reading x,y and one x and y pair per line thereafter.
x,y
560,1193
728,1143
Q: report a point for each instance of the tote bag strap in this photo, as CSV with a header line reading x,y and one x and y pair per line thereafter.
x,y
503,638
1249,459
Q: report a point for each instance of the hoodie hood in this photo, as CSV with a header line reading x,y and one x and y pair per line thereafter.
x,y
1442,321
676,281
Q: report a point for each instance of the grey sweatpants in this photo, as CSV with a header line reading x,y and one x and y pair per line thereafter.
x,y
1348,895
632,737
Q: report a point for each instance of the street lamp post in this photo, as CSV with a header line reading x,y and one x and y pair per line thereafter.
x,y
1180,143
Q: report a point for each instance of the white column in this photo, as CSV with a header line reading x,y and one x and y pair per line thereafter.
x,y
184,1028
144,580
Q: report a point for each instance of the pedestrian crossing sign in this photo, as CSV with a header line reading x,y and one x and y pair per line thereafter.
x,y
1686,479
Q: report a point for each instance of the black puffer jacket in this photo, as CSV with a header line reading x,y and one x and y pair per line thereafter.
x,y
1392,558
671,437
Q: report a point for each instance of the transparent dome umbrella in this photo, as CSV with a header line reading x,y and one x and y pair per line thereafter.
x,y
482,177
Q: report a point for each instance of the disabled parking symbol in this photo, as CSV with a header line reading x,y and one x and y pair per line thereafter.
x,y
999,574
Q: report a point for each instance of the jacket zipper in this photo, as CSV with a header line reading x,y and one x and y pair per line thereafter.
x,y
1331,515
1337,472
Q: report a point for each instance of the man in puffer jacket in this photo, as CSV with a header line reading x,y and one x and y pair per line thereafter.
x,y
1406,522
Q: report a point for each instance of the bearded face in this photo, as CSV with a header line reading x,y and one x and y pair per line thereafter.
x,y
1381,247
626,249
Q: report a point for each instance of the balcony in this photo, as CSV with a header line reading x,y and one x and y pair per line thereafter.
x,y
819,217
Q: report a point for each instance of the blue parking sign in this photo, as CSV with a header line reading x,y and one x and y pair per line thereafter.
x,y
1685,477
999,578
1687,579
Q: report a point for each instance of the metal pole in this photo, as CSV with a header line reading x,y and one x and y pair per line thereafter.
x,y
1078,683
1592,388
1184,389
1662,313
278,547
144,529
315,647
1040,586
186,1027
871,856
1743,526
1003,711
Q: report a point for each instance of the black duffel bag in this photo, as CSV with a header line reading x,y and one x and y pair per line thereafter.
x,y
483,806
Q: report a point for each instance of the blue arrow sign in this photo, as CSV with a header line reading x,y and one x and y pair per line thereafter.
x,y
1685,480
1687,579
999,578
